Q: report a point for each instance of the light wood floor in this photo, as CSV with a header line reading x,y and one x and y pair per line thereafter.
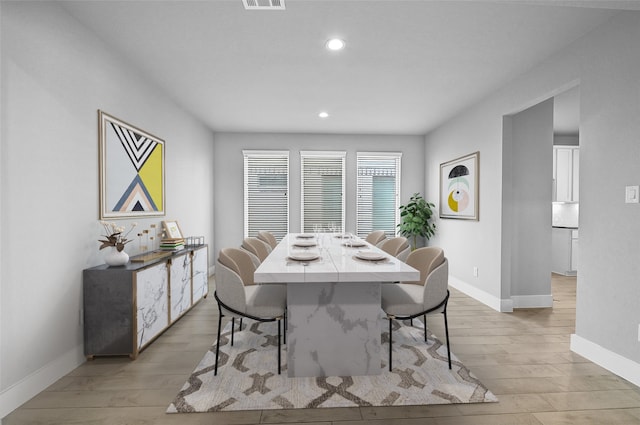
x,y
523,357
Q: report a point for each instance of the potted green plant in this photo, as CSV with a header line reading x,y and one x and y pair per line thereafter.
x,y
415,219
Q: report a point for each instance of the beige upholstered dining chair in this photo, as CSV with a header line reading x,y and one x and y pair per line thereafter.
x,y
395,246
256,247
425,260
404,253
254,258
242,264
376,237
268,237
407,300
263,303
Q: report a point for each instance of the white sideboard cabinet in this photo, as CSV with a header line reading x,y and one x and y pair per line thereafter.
x,y
127,307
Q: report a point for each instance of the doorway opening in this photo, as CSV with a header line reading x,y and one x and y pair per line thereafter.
x,y
531,184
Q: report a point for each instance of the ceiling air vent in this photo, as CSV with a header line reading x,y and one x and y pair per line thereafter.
x,y
263,4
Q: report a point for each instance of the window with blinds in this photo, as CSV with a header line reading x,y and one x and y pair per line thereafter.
x,y
322,190
378,191
266,193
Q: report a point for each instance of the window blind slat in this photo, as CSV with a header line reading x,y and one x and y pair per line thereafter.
x,y
266,193
378,192
322,190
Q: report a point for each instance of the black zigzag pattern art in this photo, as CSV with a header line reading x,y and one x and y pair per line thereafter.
x,y
137,146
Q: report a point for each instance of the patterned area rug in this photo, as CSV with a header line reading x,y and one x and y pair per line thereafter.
x,y
248,378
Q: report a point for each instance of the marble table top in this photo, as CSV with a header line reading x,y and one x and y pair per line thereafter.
x,y
337,261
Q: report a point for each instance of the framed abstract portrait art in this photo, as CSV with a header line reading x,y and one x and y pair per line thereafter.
x,y
131,170
459,187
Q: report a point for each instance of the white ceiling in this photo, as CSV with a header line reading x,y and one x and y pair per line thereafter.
x,y
408,65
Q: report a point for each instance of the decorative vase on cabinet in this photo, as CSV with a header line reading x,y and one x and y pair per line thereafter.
x,y
115,257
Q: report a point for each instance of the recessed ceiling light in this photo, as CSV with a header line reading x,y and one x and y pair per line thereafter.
x,y
323,114
335,44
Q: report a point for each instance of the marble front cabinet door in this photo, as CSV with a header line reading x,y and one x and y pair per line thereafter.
x,y
200,274
152,287
180,283
333,329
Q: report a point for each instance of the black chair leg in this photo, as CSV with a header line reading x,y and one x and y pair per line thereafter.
x,y
233,325
215,372
279,354
446,331
285,326
390,343
425,327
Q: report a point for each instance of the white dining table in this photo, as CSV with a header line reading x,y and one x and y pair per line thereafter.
x,y
333,301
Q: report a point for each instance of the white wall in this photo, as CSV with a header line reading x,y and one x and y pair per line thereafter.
x,y
55,76
467,243
606,63
608,291
1,199
526,207
229,172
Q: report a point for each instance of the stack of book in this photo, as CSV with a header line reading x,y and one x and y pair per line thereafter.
x,y
172,244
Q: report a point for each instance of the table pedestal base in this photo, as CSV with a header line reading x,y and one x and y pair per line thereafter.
x,y
333,329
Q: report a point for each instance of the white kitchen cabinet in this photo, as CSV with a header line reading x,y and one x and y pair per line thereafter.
x,y
574,250
566,168
575,168
564,251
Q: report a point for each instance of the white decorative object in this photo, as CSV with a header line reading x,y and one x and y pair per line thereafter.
x,y
115,257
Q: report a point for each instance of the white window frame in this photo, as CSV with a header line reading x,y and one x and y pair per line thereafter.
x,y
361,216
318,155
267,155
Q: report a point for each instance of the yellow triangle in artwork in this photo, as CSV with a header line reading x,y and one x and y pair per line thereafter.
x,y
151,174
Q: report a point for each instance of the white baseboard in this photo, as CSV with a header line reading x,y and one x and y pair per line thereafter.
x,y
503,306
22,391
212,271
532,301
613,362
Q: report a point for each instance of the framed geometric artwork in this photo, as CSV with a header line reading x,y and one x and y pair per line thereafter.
x,y
131,170
459,187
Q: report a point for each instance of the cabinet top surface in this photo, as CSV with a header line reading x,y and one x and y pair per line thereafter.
x,y
137,265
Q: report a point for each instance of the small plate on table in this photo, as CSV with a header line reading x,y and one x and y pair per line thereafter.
x,y
355,244
304,256
305,236
304,244
370,256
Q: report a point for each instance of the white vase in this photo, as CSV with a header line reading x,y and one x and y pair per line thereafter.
x,y
115,257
